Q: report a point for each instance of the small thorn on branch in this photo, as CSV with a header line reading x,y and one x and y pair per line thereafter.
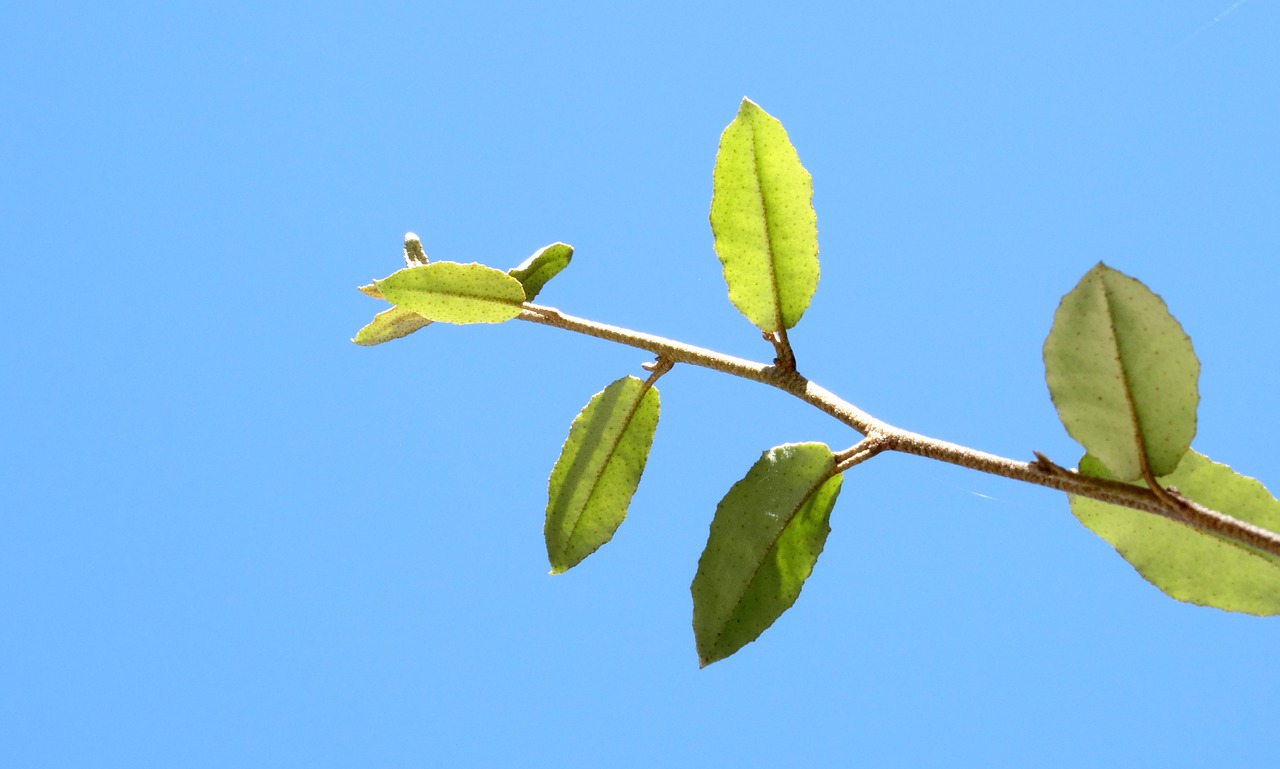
x,y
1046,465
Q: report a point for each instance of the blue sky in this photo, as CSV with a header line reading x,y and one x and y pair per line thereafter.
x,y
229,537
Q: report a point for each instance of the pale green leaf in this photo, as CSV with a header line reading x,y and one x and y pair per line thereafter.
x,y
598,470
766,231
399,322
765,538
1187,563
547,262
449,292
390,324
1122,374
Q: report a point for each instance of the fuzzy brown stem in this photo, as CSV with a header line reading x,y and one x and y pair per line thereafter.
x,y
885,437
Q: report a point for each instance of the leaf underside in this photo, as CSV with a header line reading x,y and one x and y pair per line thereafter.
x,y
390,324
1190,564
762,217
533,273
450,292
1122,375
598,470
764,541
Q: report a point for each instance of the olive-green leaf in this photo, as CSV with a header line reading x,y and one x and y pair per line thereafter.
x,y
390,324
1187,563
766,231
414,256
598,470
1122,375
765,538
449,292
547,262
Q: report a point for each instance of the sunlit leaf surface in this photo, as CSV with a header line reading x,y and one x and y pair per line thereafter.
x,y
449,292
766,231
390,324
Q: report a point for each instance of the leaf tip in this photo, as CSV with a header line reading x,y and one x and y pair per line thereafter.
x,y
746,107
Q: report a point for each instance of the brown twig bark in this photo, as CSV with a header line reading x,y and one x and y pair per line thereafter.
x,y
880,436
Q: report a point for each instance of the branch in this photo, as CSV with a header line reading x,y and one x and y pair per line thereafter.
x,y
881,436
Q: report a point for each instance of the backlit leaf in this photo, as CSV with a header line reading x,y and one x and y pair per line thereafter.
x,y
390,324
396,322
1187,563
449,292
598,470
765,538
766,231
1122,374
534,272
399,322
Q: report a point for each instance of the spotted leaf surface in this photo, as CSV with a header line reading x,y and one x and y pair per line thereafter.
x,y
766,231
390,324
1122,375
449,292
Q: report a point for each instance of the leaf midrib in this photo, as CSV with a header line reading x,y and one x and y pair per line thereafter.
x,y
773,544
597,473
774,280
1134,422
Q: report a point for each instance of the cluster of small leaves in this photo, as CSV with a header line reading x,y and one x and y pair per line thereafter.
x,y
448,292
1121,372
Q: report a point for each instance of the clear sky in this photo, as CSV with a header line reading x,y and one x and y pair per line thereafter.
x,y
229,537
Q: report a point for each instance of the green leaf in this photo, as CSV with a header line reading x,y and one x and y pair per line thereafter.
x,y
449,292
1190,564
598,470
390,324
766,536
766,231
399,322
1122,375
396,322
547,262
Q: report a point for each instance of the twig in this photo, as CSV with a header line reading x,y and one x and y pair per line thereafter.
x,y
880,436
